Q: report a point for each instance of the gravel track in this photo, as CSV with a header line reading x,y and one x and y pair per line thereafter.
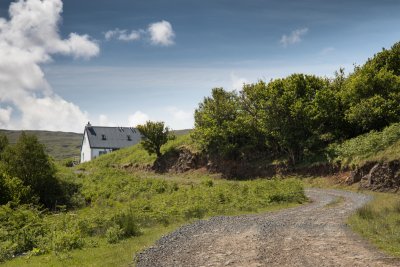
x,y
309,235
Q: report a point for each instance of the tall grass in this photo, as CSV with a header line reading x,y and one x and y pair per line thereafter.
x,y
371,146
379,222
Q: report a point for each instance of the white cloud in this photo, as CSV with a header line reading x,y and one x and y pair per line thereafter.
x,y
179,119
138,118
28,39
294,37
161,33
238,82
123,35
5,116
105,121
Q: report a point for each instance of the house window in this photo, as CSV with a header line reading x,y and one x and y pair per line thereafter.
x,y
103,137
102,153
129,138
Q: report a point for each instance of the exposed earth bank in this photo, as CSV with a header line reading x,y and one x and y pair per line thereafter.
x,y
310,235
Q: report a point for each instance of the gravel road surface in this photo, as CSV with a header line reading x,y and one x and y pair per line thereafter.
x,y
309,235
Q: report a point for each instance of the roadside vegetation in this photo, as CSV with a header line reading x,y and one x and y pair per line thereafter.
x,y
379,222
373,146
110,207
113,206
295,119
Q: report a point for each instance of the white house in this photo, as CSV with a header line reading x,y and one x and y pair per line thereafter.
x,y
99,140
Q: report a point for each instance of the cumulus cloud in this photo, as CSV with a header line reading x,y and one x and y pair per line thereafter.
x,y
138,118
27,40
294,37
105,121
5,116
159,33
123,35
179,119
238,82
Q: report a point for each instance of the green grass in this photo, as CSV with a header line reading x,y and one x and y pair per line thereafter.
x,y
59,145
64,145
137,155
379,222
118,212
373,146
155,206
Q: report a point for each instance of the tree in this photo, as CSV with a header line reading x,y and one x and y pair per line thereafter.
x,y
154,135
28,161
3,143
371,94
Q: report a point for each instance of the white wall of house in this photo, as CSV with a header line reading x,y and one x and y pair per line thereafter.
x,y
86,152
99,151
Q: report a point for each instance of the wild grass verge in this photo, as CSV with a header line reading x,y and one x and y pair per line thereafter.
x,y
124,212
379,222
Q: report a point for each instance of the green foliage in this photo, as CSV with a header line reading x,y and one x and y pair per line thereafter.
x,y
12,189
372,93
114,234
292,117
297,117
367,146
154,135
379,222
28,161
3,143
21,230
219,127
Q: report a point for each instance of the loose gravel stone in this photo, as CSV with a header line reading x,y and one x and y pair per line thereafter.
x,y
309,235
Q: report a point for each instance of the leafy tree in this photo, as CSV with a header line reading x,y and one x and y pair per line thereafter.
x,y
223,128
13,189
154,135
3,143
28,161
372,93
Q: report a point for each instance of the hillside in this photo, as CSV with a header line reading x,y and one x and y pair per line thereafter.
x,y
59,145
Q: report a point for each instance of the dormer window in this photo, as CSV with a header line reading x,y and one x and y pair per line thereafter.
x,y
103,137
129,138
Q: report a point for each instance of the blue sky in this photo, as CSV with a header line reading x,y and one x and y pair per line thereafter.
x,y
214,44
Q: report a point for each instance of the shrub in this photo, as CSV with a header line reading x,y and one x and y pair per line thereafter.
x,y
67,240
127,222
114,234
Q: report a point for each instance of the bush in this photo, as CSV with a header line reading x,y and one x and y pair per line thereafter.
x,y
128,224
364,146
114,234
67,240
21,230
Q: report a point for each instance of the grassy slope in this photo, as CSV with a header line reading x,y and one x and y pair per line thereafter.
x,y
59,145
373,146
156,203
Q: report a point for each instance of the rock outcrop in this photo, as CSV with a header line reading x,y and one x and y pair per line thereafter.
x,y
377,176
179,160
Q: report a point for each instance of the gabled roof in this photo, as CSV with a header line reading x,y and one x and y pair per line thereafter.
x,y
112,137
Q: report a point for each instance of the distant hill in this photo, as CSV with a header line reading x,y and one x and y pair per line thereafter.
x,y
61,145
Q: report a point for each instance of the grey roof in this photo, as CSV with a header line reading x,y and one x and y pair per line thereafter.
x,y
112,137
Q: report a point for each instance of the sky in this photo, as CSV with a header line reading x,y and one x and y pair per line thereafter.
x,y
123,62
